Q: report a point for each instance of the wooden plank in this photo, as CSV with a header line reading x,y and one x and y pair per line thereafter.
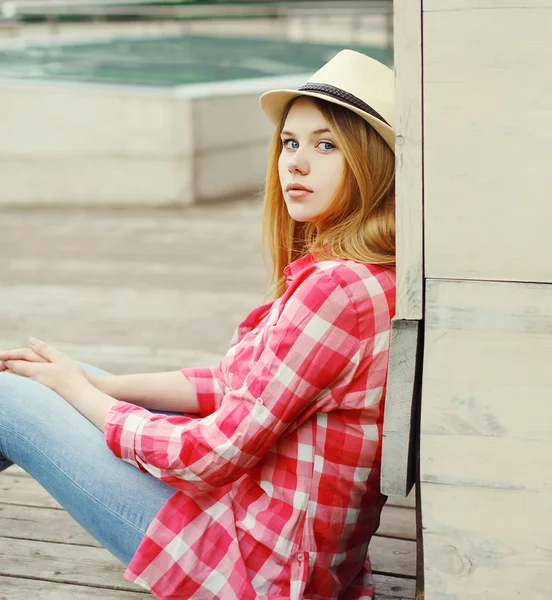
x,y
145,253
482,462
393,557
400,424
62,563
14,471
408,150
396,522
94,566
408,502
22,490
484,62
393,587
487,346
17,487
485,543
25,491
51,525
16,588
486,448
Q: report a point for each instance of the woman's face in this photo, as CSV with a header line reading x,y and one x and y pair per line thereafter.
x,y
310,164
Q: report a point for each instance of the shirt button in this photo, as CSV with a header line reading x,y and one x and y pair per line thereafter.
x,y
300,557
259,400
256,330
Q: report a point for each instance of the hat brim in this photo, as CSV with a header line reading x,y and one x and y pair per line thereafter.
x,y
273,103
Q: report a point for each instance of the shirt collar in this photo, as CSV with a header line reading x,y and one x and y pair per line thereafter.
x,y
294,268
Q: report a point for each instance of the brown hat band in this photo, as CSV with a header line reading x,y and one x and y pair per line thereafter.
x,y
339,94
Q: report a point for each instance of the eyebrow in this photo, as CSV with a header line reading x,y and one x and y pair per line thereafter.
x,y
315,132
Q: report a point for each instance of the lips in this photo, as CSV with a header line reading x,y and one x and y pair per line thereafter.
x,y
297,186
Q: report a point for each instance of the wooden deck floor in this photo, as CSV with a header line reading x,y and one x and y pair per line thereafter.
x,y
132,291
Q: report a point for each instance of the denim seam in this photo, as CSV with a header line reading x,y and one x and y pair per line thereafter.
x,y
73,481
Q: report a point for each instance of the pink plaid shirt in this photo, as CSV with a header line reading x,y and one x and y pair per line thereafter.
x,y
277,484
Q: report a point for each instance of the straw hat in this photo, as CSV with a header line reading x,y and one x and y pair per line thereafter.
x,y
352,80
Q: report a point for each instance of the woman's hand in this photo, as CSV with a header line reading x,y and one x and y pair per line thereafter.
x,y
44,364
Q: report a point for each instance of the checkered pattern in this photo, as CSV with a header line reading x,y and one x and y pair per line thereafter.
x,y
277,484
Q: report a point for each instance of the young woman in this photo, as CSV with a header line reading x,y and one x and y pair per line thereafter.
x,y
262,481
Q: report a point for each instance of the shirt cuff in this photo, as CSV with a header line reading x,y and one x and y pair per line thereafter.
x,y
208,388
122,424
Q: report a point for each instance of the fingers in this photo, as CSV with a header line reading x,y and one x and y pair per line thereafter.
x,y
11,366
42,349
19,367
21,354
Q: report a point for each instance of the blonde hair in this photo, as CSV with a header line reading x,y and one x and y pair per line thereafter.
x,y
359,222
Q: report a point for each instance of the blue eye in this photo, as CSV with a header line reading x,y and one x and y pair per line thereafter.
x,y
327,146
285,144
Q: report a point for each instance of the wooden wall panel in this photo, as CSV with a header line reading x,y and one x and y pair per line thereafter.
x,y
486,440
408,148
492,556
487,121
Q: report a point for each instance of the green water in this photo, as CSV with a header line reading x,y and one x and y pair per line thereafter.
x,y
171,61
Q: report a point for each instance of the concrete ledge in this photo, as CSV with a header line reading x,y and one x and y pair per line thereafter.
x,y
87,145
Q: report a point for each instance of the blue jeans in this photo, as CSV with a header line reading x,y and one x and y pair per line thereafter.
x,y
67,455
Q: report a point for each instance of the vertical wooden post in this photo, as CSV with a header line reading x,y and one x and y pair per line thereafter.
x,y
398,462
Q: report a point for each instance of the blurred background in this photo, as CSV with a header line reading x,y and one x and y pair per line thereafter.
x,y
155,89
132,159
176,42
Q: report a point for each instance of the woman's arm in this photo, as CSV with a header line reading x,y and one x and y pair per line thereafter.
x,y
168,391
312,346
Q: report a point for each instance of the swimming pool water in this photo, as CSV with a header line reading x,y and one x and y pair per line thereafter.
x,y
170,61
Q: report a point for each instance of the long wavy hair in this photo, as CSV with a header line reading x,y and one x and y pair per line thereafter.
x,y
359,222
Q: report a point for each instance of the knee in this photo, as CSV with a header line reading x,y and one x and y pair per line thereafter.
x,y
14,389
10,382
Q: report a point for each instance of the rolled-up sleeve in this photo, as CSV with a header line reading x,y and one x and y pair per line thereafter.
x,y
313,343
209,387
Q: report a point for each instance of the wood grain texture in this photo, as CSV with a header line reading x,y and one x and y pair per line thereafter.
x,y
398,522
487,124
27,511
486,440
408,150
396,588
400,424
95,566
409,502
393,557
485,543
24,491
45,525
17,588
63,563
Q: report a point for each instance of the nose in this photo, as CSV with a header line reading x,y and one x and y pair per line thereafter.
x,y
298,162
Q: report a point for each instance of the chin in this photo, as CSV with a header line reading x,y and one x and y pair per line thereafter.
x,y
299,214
299,217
